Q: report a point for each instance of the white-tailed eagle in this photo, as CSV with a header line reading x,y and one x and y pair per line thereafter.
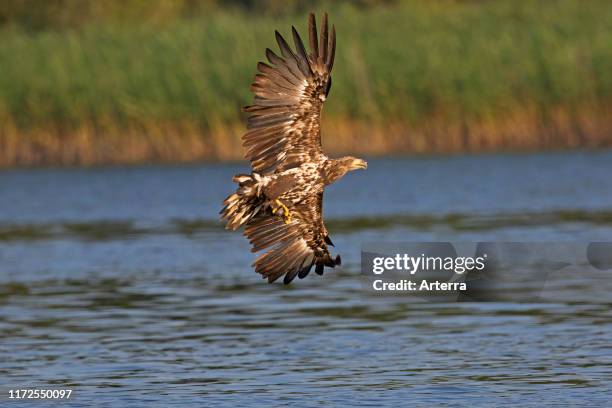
x,y
281,202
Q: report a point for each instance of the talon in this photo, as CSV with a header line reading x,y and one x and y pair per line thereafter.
x,y
286,213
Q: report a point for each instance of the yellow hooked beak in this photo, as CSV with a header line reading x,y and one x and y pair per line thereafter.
x,y
359,164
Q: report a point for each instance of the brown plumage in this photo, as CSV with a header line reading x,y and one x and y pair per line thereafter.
x,y
281,201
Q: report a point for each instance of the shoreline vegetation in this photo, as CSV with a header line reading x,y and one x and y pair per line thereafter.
x,y
186,143
410,77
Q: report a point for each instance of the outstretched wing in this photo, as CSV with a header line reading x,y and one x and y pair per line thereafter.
x,y
284,121
295,247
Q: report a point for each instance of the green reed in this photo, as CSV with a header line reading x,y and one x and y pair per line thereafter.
x,y
412,62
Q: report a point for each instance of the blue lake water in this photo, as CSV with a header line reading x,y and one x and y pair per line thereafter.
x,y
120,283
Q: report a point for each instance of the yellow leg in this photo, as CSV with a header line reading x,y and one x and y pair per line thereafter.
x,y
287,216
286,213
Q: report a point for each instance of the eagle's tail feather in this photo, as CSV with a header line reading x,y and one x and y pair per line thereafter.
x,y
241,206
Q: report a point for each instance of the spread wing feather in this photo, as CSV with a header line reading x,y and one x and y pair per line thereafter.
x,y
295,247
284,120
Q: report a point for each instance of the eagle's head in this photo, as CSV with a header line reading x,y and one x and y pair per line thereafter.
x,y
334,169
353,163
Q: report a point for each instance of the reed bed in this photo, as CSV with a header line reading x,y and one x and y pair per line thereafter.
x,y
410,77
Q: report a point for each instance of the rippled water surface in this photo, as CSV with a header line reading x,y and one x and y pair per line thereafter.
x,y
120,284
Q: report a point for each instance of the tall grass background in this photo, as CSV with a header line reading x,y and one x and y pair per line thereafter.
x,y
410,76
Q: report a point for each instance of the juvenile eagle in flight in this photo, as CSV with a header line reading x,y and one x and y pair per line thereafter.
x,y
281,202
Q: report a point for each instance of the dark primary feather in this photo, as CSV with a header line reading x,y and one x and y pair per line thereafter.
x,y
312,36
301,53
324,40
289,94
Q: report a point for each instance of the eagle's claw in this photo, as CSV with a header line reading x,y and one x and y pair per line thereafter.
x,y
286,213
